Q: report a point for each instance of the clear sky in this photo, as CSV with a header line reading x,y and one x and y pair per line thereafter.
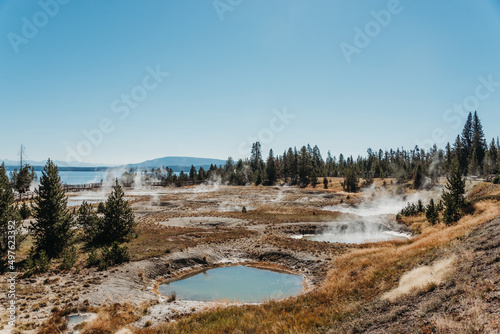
x,y
350,75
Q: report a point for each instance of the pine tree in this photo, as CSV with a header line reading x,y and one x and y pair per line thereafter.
x,y
118,222
52,229
351,181
488,166
473,168
271,169
318,163
498,159
25,211
448,156
192,173
453,195
23,179
258,177
201,174
458,151
8,213
293,165
478,140
467,136
492,157
89,221
305,166
285,166
418,181
256,161
432,213
330,164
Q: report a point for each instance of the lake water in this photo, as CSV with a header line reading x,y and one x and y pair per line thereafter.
x,y
77,177
72,177
240,283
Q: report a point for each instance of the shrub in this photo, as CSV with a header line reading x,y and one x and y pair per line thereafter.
x,y
412,209
93,259
37,263
496,180
69,257
420,206
117,254
110,256
244,210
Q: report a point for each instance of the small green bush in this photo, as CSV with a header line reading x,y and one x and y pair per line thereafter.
x,y
110,256
37,263
69,257
93,259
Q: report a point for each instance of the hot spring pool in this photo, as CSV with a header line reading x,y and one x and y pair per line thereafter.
x,y
76,319
240,284
355,233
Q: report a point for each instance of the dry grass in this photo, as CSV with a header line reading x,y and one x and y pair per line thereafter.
x,y
422,279
156,240
476,319
111,319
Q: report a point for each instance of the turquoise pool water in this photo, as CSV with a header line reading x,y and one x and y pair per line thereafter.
x,y
240,284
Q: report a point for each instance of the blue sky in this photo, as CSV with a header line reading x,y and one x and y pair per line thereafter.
x,y
232,68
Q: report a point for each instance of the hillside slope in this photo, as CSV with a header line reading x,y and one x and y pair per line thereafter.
x,y
469,301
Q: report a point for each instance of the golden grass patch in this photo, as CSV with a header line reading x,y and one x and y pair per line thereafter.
x,y
422,279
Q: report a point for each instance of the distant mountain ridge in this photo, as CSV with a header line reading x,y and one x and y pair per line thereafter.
x,y
177,162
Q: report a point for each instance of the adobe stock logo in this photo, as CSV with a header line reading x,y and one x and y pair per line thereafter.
x,y
266,135
363,37
223,6
119,106
31,27
457,114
